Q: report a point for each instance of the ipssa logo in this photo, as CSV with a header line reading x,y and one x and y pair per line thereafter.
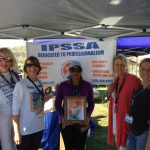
x,y
65,70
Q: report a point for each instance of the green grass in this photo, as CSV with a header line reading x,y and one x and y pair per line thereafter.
x,y
98,138
101,88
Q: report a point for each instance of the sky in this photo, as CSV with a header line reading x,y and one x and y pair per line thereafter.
x,y
12,43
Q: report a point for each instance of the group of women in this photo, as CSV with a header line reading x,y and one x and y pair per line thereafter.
x,y
21,126
129,108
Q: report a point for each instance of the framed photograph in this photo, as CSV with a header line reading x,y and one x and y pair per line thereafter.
x,y
36,102
75,110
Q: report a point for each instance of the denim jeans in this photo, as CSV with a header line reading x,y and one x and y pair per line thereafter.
x,y
137,142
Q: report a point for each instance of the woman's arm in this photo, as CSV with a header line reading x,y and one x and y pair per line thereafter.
x,y
17,135
16,106
58,101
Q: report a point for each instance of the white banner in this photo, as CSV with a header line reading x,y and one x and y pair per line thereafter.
x,y
95,57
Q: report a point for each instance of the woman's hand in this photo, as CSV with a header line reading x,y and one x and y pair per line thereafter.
x,y
87,122
86,125
17,138
64,123
48,97
17,135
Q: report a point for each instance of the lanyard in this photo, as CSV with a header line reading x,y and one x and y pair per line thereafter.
x,y
119,90
41,91
76,91
16,75
12,82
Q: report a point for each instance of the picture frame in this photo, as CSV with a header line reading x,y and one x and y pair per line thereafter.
x,y
75,110
36,102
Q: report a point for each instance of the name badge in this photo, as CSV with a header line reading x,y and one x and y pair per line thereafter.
x,y
129,119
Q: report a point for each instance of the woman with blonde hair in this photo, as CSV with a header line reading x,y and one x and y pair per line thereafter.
x,y
120,92
8,79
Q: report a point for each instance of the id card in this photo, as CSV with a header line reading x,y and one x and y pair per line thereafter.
x,y
129,119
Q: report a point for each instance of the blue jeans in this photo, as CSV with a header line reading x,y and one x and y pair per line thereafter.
x,y
137,142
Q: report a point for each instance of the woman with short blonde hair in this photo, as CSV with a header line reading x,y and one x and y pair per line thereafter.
x,y
10,54
8,79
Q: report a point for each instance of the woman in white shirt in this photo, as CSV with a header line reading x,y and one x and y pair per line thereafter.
x,y
28,99
8,79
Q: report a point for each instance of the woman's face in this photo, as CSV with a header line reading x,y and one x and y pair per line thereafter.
x,y
144,71
75,73
5,62
120,67
32,69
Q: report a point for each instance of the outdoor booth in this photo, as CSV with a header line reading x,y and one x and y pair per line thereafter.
x,y
58,53
99,21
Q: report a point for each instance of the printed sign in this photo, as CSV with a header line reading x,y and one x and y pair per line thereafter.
x,y
95,57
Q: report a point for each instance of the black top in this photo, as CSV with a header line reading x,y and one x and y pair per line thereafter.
x,y
140,110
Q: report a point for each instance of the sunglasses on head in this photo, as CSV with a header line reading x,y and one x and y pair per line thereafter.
x,y
32,65
77,70
6,59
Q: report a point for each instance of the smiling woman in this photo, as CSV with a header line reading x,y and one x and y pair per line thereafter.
x,y
28,99
120,93
8,79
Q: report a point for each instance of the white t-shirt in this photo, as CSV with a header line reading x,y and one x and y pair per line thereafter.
x,y
6,93
30,122
49,106
114,113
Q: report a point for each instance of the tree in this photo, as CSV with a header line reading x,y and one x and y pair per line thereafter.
x,y
20,54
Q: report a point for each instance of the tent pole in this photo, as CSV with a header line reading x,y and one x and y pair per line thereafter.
x,y
10,29
45,36
126,34
11,36
41,29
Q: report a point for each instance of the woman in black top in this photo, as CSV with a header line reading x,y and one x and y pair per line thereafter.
x,y
140,110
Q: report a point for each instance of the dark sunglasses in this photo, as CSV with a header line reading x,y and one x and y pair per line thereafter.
x,y
77,70
6,59
32,65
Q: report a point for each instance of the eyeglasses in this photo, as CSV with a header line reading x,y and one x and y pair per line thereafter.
x,y
6,59
77,70
32,65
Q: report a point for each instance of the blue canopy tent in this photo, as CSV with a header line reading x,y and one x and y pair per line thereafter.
x,y
38,19
133,46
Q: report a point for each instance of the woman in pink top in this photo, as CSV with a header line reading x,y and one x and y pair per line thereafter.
x,y
121,92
